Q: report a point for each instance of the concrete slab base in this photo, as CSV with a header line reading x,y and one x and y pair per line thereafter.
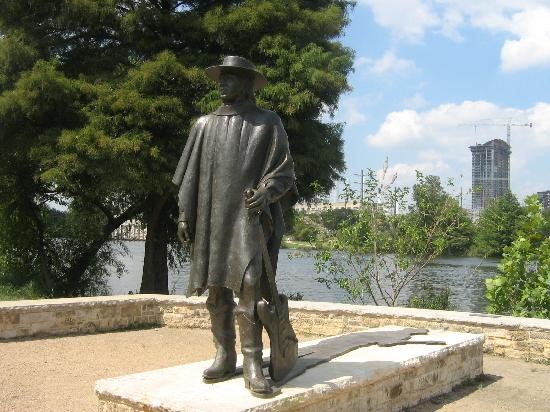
x,y
370,378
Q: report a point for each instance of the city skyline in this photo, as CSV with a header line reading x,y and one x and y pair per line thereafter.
x,y
427,71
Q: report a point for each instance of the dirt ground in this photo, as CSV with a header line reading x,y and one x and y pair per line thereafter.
x,y
58,374
507,385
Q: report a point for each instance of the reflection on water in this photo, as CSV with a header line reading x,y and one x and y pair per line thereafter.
x,y
465,277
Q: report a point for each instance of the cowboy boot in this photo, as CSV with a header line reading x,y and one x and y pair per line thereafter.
x,y
223,331
250,333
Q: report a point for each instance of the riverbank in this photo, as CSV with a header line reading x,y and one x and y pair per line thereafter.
x,y
54,374
297,244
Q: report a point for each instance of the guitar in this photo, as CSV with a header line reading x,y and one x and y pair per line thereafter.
x,y
283,341
275,317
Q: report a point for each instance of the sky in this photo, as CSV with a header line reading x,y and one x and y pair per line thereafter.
x,y
427,70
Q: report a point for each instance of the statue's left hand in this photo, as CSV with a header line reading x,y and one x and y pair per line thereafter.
x,y
256,200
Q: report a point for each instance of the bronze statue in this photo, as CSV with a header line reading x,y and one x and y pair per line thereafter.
x,y
234,178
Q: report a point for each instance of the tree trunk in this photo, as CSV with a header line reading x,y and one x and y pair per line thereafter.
x,y
83,260
155,261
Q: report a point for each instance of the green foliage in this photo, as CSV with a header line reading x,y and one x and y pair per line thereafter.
x,y
96,100
433,206
377,253
522,287
332,219
15,57
305,229
429,297
546,224
28,291
497,226
309,227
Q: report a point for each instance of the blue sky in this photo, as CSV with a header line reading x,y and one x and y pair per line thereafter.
x,y
424,68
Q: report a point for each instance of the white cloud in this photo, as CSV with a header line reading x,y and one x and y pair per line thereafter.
x,y
351,108
540,116
417,101
389,62
525,21
532,49
451,21
452,125
441,136
406,172
407,19
398,128
351,112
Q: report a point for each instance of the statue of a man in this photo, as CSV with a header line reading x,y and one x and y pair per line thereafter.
x,y
235,177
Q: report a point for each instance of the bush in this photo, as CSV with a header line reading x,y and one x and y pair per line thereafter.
x,y
303,230
522,286
431,298
376,254
28,291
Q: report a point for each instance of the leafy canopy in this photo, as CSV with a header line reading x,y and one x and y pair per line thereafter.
x,y
497,226
96,100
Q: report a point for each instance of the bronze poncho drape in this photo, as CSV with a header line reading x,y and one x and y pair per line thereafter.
x,y
235,148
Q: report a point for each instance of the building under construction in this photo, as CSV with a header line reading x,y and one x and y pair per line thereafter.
x,y
490,172
544,199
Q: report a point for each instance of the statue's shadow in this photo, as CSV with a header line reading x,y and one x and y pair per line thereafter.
x,y
311,355
327,349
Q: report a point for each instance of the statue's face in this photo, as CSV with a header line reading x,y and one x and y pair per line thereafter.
x,y
231,87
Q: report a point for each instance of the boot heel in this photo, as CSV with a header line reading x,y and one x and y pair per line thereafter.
x,y
261,395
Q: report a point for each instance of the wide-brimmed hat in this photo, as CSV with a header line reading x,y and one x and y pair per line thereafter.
x,y
236,63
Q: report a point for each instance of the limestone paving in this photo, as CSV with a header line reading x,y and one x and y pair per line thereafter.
x,y
370,378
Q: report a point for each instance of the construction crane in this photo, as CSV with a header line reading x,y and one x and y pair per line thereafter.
x,y
508,126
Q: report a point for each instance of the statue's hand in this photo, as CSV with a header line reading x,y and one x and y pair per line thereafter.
x,y
183,231
256,200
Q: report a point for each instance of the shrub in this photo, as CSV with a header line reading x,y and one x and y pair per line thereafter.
x,y
522,286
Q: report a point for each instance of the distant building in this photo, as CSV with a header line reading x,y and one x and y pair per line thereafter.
x,y
490,172
544,199
321,207
130,230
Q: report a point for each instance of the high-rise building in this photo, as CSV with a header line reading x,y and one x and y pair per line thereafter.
x,y
490,172
544,199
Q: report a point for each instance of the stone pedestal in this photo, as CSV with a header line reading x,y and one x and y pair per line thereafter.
x,y
369,378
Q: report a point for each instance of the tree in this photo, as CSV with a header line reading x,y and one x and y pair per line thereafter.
x,y
33,112
115,86
374,256
432,202
497,226
348,194
522,286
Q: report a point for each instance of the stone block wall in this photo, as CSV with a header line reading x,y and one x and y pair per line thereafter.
x,y
47,317
512,337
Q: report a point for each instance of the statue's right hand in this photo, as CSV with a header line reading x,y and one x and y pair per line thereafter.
x,y
183,231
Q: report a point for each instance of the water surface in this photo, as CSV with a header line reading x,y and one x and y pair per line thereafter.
x,y
465,276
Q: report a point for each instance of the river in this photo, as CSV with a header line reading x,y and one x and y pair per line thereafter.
x,y
465,277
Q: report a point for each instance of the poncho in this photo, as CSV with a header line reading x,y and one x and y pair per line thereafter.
x,y
235,148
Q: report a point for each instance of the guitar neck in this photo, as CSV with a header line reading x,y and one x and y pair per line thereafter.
x,y
270,274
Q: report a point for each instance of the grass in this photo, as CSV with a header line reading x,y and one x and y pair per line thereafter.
x,y
9,292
